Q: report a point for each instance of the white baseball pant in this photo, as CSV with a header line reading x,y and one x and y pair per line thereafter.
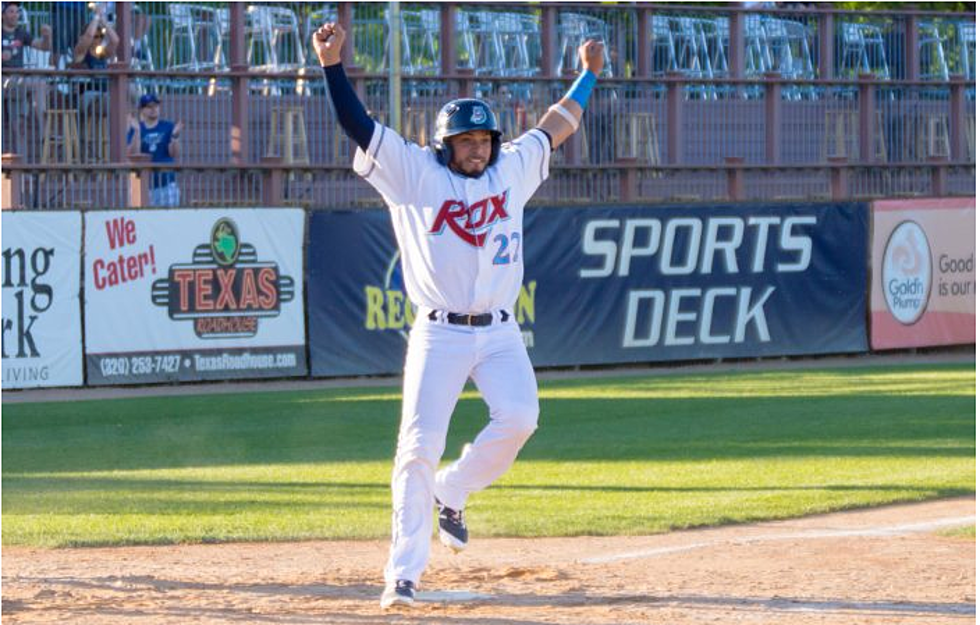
x,y
440,358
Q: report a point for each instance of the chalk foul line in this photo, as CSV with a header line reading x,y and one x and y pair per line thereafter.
x,y
883,530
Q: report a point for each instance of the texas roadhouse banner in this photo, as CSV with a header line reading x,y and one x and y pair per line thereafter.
x,y
193,295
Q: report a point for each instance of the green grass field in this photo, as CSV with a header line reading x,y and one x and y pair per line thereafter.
x,y
969,532
632,455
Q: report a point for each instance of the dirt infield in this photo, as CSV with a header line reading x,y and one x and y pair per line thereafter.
x,y
884,565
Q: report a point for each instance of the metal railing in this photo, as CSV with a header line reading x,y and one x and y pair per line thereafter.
x,y
696,103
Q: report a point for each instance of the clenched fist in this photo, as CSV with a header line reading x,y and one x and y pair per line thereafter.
x,y
327,41
591,54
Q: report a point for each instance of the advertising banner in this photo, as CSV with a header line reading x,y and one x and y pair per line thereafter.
x,y
193,295
619,285
42,315
923,290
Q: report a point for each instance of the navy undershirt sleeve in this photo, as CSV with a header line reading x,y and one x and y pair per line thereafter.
x,y
551,142
351,114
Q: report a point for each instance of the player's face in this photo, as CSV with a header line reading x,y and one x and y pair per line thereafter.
x,y
471,151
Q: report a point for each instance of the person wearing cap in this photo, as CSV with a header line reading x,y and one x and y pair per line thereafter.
x,y
160,138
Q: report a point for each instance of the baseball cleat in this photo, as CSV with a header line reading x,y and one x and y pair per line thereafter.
x,y
402,594
452,528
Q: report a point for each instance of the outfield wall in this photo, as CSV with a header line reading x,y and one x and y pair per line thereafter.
x,y
148,296
618,285
923,259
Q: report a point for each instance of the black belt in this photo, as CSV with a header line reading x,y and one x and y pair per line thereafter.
x,y
479,321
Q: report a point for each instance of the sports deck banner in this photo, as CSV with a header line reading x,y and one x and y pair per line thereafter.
x,y
924,286
42,314
618,285
193,295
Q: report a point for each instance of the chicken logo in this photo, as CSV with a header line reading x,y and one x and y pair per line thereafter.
x,y
907,272
906,256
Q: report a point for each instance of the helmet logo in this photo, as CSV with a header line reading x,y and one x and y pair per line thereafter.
x,y
479,115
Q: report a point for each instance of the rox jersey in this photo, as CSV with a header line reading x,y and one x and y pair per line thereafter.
x,y
461,239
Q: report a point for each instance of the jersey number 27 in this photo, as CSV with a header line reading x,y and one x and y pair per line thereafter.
x,y
503,256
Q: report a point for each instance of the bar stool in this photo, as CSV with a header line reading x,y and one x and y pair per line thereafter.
x,y
61,131
932,136
636,137
96,145
60,144
290,143
417,125
840,135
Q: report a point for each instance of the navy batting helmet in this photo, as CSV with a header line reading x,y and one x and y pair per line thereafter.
x,y
463,115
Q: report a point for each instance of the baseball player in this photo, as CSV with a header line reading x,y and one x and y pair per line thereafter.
x,y
457,208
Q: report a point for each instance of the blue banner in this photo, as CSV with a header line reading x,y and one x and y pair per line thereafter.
x,y
619,285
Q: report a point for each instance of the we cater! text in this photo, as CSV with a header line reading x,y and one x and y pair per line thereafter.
x,y
126,266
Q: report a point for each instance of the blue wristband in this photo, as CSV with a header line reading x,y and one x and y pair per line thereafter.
x,y
582,88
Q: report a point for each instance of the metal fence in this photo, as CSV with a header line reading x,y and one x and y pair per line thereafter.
x,y
695,102
510,39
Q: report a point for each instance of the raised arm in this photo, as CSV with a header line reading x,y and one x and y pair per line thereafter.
x,y
353,118
174,148
133,136
111,41
86,39
563,117
44,42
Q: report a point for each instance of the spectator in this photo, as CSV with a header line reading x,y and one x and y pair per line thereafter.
x,y
95,46
16,37
21,94
98,42
160,139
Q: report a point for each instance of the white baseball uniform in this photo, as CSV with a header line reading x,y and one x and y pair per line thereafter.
x,y
461,243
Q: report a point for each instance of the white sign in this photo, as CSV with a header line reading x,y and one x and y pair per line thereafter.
x,y
906,272
194,294
42,326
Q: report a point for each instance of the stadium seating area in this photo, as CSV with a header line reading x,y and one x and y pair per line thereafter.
x,y
695,102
